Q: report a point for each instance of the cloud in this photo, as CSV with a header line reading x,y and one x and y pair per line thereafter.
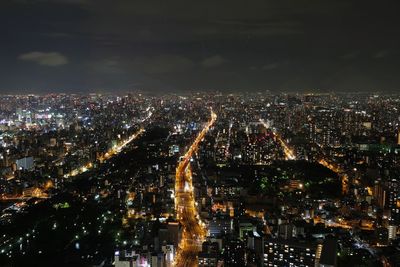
x,y
213,61
51,59
350,55
112,65
381,54
275,65
270,66
163,64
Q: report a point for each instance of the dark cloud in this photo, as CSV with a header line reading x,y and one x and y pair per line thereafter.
x,y
213,61
111,65
270,66
51,59
350,55
381,54
176,44
163,64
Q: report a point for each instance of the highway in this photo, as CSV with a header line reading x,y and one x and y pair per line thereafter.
x,y
194,230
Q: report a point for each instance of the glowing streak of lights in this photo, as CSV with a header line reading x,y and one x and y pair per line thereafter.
x,y
291,156
112,151
194,231
109,154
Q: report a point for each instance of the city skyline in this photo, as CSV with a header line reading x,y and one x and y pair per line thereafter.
x,y
201,179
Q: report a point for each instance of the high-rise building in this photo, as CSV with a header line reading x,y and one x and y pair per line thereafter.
x,y
220,225
379,194
392,232
25,163
398,137
329,253
208,259
283,253
393,203
130,258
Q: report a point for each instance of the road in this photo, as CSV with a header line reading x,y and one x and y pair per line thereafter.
x,y
194,230
109,154
114,150
336,169
289,153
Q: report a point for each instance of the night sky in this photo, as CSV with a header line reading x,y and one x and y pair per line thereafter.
x,y
168,46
